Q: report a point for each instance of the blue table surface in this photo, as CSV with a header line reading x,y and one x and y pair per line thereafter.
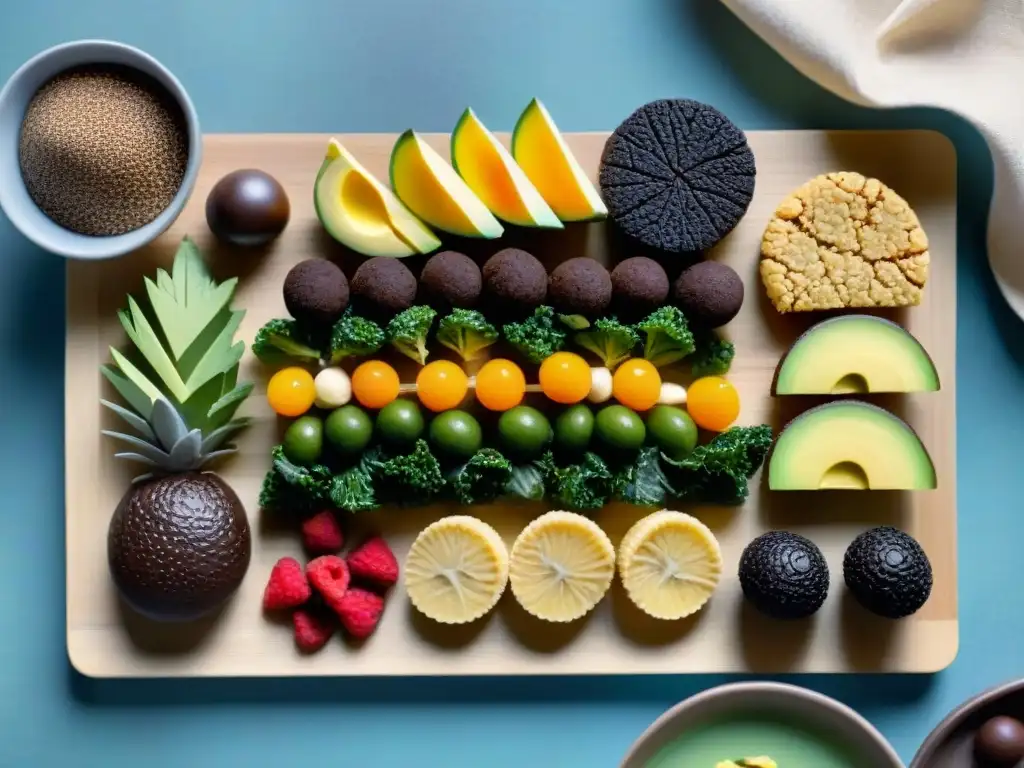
x,y
314,65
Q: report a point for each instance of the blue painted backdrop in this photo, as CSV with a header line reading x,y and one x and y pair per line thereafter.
x,y
386,65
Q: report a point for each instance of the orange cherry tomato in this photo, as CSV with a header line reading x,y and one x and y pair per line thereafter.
x,y
500,385
713,403
565,378
374,384
291,392
637,384
441,385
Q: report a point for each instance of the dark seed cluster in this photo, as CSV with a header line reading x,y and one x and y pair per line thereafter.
x,y
102,152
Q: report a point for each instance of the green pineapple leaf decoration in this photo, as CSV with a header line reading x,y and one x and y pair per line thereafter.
x,y
180,378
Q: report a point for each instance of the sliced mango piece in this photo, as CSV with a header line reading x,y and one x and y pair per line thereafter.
x,y
432,190
363,214
489,170
539,149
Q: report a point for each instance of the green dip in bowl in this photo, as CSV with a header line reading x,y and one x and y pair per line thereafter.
x,y
795,727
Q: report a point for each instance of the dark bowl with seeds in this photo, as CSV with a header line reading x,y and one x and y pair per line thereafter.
x,y
100,147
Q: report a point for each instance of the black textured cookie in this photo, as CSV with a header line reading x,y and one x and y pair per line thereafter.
x,y
784,575
677,175
888,572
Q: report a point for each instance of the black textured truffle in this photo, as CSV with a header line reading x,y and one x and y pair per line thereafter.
x,y
888,572
710,294
677,175
784,575
639,286
385,286
515,280
315,292
580,286
451,279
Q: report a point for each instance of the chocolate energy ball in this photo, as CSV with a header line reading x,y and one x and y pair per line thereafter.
x,y
639,286
710,294
515,280
580,286
385,286
451,279
316,292
999,743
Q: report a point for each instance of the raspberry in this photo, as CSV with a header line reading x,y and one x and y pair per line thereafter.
x,y
374,562
359,612
312,630
287,586
321,534
329,575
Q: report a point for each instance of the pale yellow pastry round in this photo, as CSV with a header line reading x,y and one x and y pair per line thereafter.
x,y
456,570
561,565
670,564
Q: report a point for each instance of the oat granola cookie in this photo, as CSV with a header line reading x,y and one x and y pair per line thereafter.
x,y
843,240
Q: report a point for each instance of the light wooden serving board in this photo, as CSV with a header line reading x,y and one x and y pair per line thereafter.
x,y
104,640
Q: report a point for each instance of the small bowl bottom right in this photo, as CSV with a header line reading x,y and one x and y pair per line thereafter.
x,y
951,744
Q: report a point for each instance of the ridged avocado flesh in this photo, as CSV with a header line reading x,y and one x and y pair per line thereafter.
x,y
849,445
855,354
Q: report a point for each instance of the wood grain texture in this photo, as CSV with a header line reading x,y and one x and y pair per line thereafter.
x,y
104,640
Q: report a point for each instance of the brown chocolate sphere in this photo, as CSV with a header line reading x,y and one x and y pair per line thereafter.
x,y
247,207
999,742
316,292
384,287
515,281
710,294
580,286
451,279
639,286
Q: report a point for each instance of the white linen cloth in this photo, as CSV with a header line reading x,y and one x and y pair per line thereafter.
x,y
965,56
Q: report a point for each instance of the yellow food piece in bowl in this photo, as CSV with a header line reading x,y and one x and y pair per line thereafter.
x,y
844,240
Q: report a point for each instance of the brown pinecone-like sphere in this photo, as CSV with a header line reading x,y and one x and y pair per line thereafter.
x,y
178,546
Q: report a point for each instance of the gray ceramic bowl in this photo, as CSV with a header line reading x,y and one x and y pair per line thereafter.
x,y
14,100
951,743
807,707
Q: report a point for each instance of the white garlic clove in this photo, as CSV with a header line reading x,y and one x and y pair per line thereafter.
x,y
333,388
672,393
600,385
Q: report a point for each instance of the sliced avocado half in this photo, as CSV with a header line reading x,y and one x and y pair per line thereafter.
x,y
855,354
363,214
491,172
851,445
